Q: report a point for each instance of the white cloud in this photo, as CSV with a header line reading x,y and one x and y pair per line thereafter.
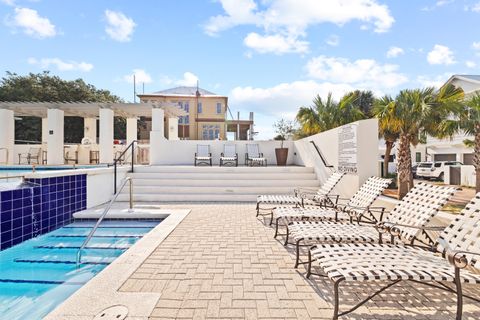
x,y
441,55
189,80
290,19
476,47
433,81
46,63
32,23
284,98
366,73
8,2
276,44
333,40
394,52
119,27
470,64
141,76
474,7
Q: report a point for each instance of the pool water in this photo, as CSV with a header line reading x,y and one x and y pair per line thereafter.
x,y
39,274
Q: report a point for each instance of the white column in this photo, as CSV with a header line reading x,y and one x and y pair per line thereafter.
x,y
44,130
90,129
157,135
7,137
172,128
131,130
55,120
106,136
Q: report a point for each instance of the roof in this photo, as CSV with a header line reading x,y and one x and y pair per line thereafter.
x,y
90,109
466,77
182,92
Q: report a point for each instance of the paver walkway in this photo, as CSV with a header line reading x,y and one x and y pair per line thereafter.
x,y
223,263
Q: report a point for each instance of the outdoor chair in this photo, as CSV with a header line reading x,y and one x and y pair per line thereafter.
x,y
455,257
254,157
417,208
229,155
301,196
358,207
70,155
203,155
31,157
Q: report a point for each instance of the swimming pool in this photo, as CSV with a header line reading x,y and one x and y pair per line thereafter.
x,y
23,169
40,273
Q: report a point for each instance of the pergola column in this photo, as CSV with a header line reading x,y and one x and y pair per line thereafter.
x,y
131,130
7,138
106,136
158,122
55,119
172,128
90,129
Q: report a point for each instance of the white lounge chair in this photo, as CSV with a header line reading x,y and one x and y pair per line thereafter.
x,y
203,155
416,208
31,157
455,258
254,157
229,155
301,196
358,207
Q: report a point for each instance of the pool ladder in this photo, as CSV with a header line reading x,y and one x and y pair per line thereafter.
x,y
100,219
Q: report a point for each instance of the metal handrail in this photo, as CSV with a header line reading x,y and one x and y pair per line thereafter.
x,y
115,161
109,206
321,155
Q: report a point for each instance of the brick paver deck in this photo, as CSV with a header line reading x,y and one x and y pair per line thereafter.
x,y
223,263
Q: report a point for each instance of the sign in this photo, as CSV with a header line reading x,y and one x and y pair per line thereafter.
x,y
347,148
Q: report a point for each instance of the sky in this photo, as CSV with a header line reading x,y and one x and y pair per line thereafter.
x,y
267,56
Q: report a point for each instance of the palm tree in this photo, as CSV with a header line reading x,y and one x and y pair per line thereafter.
x,y
419,112
326,114
470,123
382,110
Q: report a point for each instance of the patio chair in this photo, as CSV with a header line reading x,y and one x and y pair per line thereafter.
x,y
417,208
229,155
70,155
203,155
254,157
358,207
301,196
32,155
454,258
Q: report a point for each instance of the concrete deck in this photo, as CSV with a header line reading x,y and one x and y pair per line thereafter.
x,y
221,262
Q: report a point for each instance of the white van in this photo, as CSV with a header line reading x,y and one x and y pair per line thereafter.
x,y
434,170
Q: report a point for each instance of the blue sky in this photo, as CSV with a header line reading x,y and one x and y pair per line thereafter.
x,y
268,56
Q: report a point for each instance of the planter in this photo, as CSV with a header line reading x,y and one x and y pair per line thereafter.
x,y
281,154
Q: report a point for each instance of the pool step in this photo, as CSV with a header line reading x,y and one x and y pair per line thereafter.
x,y
96,236
63,261
116,247
75,283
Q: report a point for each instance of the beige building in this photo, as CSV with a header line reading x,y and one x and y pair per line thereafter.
x,y
207,114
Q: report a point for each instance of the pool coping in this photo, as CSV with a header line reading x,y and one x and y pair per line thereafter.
x,y
102,291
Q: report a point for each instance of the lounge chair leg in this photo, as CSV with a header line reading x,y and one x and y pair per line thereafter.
x,y
335,297
258,208
286,235
309,268
276,228
297,259
458,286
271,216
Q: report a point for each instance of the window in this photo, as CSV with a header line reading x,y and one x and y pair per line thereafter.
x,y
180,104
210,132
187,119
186,106
418,156
180,120
219,108
199,107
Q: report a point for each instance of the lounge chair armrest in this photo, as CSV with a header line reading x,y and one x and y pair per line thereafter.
x,y
394,228
458,258
221,154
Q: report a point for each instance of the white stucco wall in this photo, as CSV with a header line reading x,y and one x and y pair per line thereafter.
x,y
182,152
100,185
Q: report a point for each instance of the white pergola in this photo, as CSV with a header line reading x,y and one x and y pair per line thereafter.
x,y
53,113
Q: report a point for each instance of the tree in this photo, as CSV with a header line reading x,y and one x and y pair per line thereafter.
x,y
328,114
386,130
470,123
364,101
284,129
419,112
42,87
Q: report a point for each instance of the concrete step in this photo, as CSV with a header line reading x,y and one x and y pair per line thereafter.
x,y
225,183
216,169
223,176
210,190
190,197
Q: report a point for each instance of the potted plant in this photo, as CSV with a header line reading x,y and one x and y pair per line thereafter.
x,y
284,130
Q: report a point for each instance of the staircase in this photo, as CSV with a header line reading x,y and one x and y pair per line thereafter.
x,y
185,184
